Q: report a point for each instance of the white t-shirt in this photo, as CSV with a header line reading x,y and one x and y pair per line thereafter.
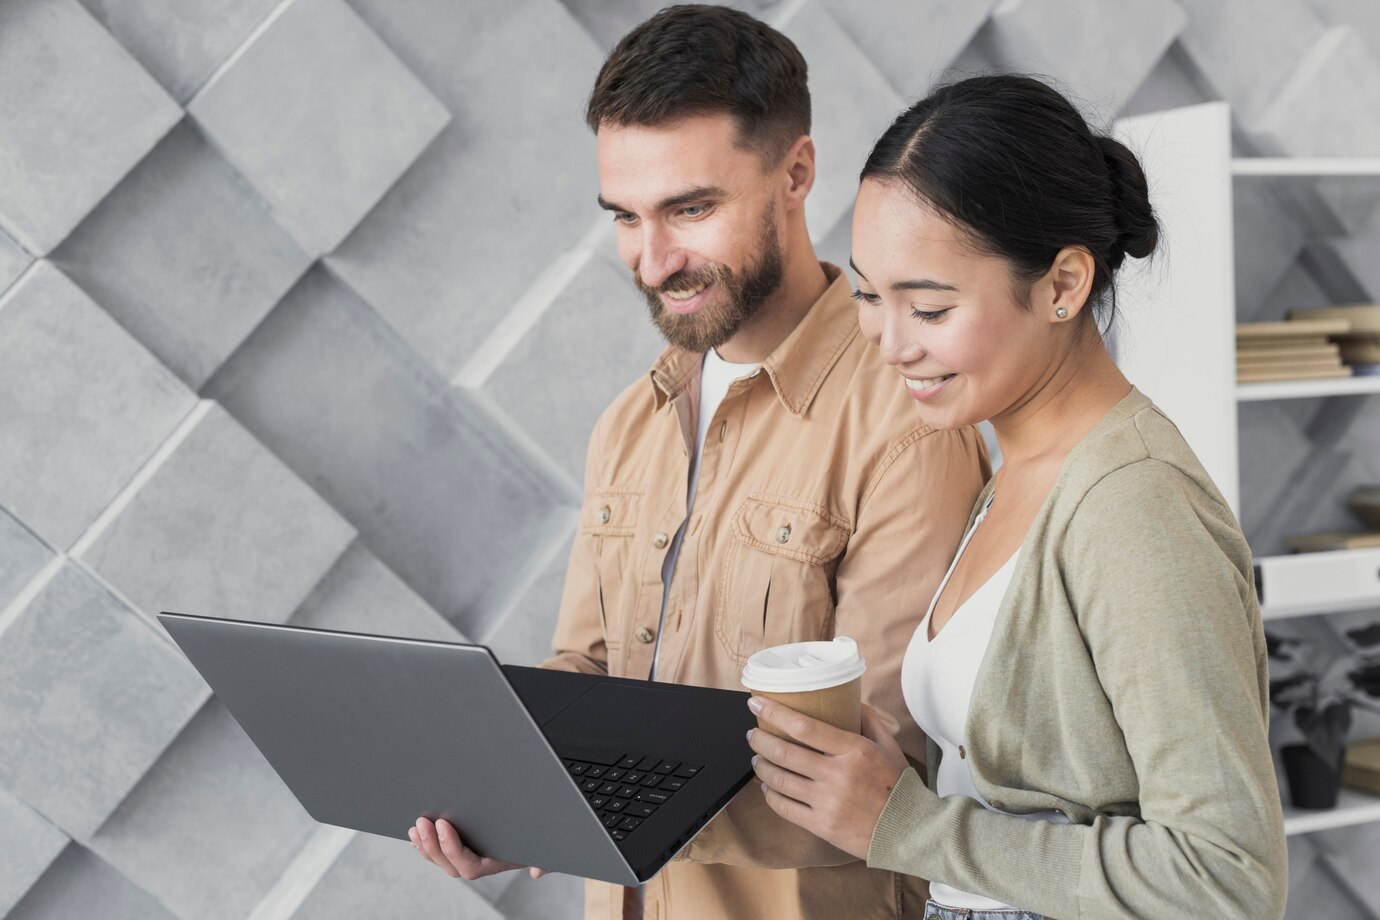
x,y
716,376
937,678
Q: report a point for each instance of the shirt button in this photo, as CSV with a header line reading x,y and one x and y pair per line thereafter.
x,y
603,515
783,534
644,634
962,754
660,541
998,805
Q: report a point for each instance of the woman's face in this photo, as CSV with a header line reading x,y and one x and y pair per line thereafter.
x,y
944,315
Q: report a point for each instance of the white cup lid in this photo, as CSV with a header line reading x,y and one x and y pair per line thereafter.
x,y
804,666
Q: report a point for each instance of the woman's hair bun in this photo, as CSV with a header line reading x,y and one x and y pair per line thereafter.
x,y
1135,219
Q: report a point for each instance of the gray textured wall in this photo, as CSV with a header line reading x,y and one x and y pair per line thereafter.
x,y
305,312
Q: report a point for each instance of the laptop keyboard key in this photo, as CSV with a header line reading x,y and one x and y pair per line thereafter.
x,y
612,820
666,767
629,761
608,789
598,801
688,770
633,778
627,792
591,785
615,804
614,775
671,783
595,772
651,780
620,835
640,809
655,796
578,769
629,824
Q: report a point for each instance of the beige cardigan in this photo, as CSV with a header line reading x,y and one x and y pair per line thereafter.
x,y
1125,686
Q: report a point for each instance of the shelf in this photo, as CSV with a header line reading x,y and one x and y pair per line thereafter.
x,y
1316,167
1352,808
1305,389
1305,584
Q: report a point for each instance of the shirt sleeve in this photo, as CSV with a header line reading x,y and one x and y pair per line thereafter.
x,y
1152,567
578,643
909,524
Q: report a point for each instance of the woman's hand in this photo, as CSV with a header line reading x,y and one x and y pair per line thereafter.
x,y
837,787
440,843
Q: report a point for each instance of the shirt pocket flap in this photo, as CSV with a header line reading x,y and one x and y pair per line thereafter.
x,y
789,528
611,512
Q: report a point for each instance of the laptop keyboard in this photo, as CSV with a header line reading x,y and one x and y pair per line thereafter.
x,y
626,789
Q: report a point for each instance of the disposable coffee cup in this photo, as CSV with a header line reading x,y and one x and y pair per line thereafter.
x,y
819,679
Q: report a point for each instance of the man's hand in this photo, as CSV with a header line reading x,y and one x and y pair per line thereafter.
x,y
440,843
836,787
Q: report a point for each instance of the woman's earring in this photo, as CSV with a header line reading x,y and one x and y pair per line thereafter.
x,y
1061,313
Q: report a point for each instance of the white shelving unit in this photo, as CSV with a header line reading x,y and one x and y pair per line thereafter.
x,y
1307,389
1177,336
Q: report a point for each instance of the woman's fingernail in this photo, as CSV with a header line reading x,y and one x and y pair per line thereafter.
x,y
754,761
749,734
754,704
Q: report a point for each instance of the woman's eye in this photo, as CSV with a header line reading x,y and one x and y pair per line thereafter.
x,y
928,316
868,297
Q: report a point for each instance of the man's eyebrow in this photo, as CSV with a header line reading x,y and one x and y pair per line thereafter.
x,y
699,193
924,284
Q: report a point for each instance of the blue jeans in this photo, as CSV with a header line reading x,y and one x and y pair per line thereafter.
x,y
934,911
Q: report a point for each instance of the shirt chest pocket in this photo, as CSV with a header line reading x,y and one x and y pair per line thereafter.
x,y
609,520
778,576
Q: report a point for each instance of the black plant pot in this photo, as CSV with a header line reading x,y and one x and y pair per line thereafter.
x,y
1313,782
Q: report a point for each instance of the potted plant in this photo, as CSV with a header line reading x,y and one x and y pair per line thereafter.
x,y
1319,690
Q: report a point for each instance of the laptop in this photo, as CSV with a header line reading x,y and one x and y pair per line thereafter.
x,y
600,777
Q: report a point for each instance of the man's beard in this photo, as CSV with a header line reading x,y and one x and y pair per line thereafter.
x,y
740,297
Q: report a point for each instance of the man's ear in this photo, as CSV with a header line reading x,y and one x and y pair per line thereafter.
x,y
799,161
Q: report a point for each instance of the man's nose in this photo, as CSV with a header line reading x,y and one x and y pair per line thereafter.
x,y
659,258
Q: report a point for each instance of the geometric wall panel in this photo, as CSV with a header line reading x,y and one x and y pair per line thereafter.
x,y
434,489
320,117
89,698
219,528
180,43
1247,49
1315,112
599,316
244,833
77,112
13,261
22,555
360,594
381,877
81,885
30,845
910,43
83,406
1099,58
523,636
451,247
852,103
190,290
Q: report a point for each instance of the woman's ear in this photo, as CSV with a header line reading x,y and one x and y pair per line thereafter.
x,y
1070,280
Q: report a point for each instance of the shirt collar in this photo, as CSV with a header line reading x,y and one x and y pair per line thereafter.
x,y
798,366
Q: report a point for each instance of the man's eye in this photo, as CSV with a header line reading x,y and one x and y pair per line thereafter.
x,y
694,210
623,217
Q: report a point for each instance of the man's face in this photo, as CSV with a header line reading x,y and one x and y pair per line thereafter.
x,y
697,222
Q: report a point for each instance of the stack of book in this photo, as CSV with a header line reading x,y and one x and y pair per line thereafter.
x,y
1360,345
1361,769
1365,501
1298,349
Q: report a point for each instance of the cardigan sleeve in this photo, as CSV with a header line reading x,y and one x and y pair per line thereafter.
x,y
1157,573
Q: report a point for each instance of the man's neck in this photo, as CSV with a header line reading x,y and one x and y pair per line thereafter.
x,y
802,283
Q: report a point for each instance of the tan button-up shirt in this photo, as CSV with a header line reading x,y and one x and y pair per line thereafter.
x,y
823,506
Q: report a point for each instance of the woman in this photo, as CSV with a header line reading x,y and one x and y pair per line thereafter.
x,y
1092,671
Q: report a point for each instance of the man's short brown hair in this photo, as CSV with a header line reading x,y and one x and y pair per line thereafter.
x,y
699,60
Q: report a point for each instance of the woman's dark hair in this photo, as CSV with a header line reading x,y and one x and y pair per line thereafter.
x,y
1011,162
696,60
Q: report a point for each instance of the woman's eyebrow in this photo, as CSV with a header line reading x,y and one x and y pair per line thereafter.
x,y
924,284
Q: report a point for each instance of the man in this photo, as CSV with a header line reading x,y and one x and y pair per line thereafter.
x,y
770,481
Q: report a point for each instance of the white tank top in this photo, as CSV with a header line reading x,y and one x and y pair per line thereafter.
x,y
937,680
